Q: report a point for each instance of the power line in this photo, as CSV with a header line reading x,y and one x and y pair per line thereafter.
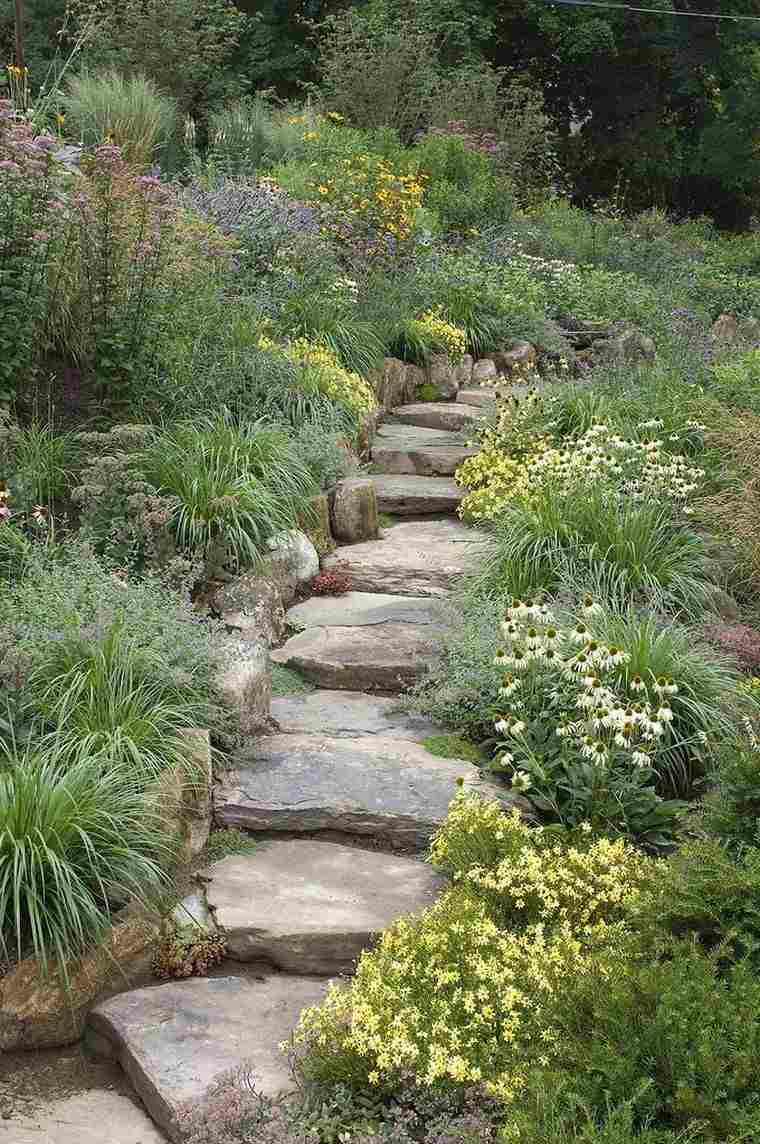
x,y
652,11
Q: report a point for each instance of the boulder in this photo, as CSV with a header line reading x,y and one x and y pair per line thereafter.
x,y
484,371
629,347
463,371
417,496
354,511
365,609
293,562
521,357
726,328
316,524
245,683
252,605
441,375
484,398
38,1011
394,384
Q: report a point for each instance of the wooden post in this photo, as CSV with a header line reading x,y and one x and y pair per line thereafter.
x,y
20,61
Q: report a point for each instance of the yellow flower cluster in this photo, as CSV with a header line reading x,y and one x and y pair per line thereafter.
x,y
367,200
455,994
321,368
451,339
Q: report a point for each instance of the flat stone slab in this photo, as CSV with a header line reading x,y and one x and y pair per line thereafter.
x,y
388,789
312,907
414,558
360,609
98,1116
417,435
174,1040
417,496
483,397
381,657
422,460
452,416
347,714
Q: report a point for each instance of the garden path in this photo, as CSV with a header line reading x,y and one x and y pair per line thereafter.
x,y
344,797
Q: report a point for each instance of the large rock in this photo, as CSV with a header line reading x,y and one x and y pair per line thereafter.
x,y
451,416
417,496
416,436
175,1040
293,562
398,457
359,609
383,657
245,683
520,358
39,1011
726,328
349,714
441,375
414,558
331,905
463,371
252,605
354,511
388,789
395,383
484,397
484,371
629,347
98,1116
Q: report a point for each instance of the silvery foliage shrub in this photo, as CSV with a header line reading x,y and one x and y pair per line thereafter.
x,y
259,215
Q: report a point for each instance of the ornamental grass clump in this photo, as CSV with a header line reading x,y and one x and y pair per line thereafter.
x,y
454,997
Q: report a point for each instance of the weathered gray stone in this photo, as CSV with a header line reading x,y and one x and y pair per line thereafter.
x,y
463,370
520,357
411,495
391,790
750,330
630,347
484,397
348,714
726,328
392,385
484,370
293,562
196,796
420,460
252,605
174,1040
414,558
382,657
451,416
359,609
312,907
354,511
98,1116
417,435
245,683
441,374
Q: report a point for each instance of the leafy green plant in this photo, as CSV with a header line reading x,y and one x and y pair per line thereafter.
x,y
129,111
235,486
77,838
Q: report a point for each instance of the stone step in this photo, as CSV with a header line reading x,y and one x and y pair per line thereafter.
x,y
348,714
452,416
422,460
414,558
417,496
483,397
311,907
417,435
174,1040
377,657
362,609
390,790
98,1116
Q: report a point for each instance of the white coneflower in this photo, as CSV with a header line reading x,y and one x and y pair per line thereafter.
x,y
501,659
655,728
517,727
533,639
502,726
671,688
521,781
509,629
660,684
507,758
579,634
638,684
640,759
664,714
510,686
589,607
616,656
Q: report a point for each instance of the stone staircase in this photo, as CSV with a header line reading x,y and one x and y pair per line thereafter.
x,y
343,797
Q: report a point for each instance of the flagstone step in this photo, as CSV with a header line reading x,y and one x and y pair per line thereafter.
x,y
310,907
97,1116
452,416
417,435
421,460
377,657
390,790
361,609
348,714
410,495
413,558
485,398
174,1040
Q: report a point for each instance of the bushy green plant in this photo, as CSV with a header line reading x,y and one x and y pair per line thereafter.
x,y
129,111
250,134
38,464
234,486
78,838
